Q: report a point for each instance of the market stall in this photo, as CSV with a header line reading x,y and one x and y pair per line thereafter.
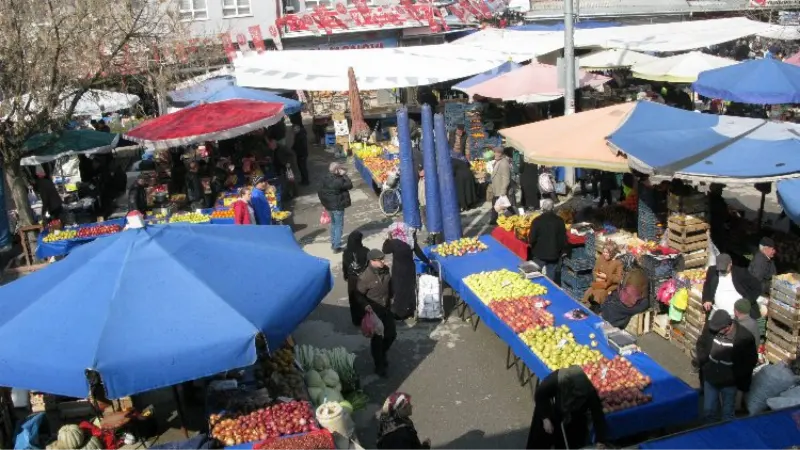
x,y
681,68
761,81
666,400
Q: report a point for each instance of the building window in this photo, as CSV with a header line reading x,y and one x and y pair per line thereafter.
x,y
194,10
235,8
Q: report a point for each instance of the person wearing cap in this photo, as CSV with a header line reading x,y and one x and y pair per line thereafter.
x,y
335,197
137,197
259,202
741,312
762,266
726,354
375,294
726,283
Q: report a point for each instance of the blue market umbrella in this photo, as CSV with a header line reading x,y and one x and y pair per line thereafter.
x,y
242,93
154,307
789,198
760,81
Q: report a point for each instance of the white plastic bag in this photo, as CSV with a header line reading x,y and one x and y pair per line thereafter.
x,y
502,204
429,305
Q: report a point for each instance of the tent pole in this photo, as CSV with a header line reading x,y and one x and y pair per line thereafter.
x,y
179,409
761,210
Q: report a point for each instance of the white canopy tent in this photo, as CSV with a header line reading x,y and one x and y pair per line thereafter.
x,y
93,103
683,68
382,68
613,59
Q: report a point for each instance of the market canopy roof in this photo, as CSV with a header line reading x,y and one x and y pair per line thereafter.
x,y
662,140
207,122
375,68
613,59
154,307
789,198
236,92
200,90
506,67
531,84
582,25
42,148
576,140
760,81
683,68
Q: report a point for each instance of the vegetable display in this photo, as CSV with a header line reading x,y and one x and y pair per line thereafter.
x,y
619,384
459,247
502,285
524,313
318,360
280,419
557,349
315,440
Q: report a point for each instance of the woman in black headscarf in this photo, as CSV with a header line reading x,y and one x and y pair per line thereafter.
x,y
529,181
401,243
564,401
354,261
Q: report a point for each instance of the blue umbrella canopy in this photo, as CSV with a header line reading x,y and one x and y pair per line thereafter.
x,y
154,307
789,198
761,81
242,93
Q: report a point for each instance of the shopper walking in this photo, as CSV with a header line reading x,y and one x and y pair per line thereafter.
x,y
354,262
375,295
726,355
501,180
564,401
401,242
335,197
259,202
300,147
243,213
395,428
529,181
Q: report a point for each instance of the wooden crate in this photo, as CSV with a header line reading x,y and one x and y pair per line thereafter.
x,y
782,336
639,324
775,354
662,326
695,317
686,231
688,247
788,316
682,220
696,260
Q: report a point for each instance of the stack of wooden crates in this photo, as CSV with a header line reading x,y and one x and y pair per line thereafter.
x,y
783,318
688,227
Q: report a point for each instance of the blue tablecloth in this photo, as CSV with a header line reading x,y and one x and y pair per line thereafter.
x,y
674,402
365,173
58,248
777,429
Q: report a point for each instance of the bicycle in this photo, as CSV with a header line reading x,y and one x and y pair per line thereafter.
x,y
389,200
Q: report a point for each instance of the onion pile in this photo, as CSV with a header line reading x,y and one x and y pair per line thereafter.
x,y
278,420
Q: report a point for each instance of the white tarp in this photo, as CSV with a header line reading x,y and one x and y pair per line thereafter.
x,y
661,37
784,33
613,58
93,103
380,68
683,68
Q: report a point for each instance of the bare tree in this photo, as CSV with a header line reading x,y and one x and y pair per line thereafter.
x,y
53,51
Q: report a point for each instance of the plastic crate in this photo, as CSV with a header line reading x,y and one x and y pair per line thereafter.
x,y
576,294
591,246
576,280
658,267
582,251
578,264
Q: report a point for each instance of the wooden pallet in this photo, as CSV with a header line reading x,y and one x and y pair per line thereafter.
x,y
775,354
682,220
639,324
782,336
686,230
695,318
695,260
788,317
688,247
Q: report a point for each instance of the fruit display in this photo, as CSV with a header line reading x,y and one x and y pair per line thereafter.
x,y
618,383
281,215
315,440
368,151
380,167
93,231
327,372
272,197
192,217
524,313
556,347
60,235
253,424
459,247
518,224
694,276
502,285
222,214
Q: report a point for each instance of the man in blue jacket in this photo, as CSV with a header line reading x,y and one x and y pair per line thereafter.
x,y
259,202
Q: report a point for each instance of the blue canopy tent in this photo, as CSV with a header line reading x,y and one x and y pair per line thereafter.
x,y
789,198
242,93
199,91
154,307
760,81
506,67
659,139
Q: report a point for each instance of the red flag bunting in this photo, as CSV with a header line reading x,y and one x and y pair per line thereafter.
x,y
227,45
258,39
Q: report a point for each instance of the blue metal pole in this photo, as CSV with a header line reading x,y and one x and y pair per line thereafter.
x,y
433,205
451,215
408,177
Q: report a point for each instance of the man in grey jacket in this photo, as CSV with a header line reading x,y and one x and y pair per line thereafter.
x,y
501,180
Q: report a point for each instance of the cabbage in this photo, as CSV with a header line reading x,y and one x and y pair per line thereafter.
x,y
314,393
314,379
330,378
332,395
321,362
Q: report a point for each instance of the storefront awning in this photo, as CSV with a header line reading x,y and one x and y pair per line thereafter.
x,y
577,140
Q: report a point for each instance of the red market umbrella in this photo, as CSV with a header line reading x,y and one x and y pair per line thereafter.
x,y
207,122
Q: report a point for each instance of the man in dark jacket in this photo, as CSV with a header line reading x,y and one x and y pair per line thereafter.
x,y
52,205
300,147
608,182
375,293
727,355
548,240
762,266
137,197
335,197
726,283
195,193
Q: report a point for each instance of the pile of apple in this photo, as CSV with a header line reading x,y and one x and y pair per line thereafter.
x,y
618,383
502,285
380,167
556,347
524,313
281,419
459,247
98,230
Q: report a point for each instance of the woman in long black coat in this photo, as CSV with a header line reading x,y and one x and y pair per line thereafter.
x,y
529,181
466,192
401,243
354,261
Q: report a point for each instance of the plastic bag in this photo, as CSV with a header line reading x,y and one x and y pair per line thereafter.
x,y
561,188
666,291
429,305
546,183
502,203
371,325
767,383
289,173
325,218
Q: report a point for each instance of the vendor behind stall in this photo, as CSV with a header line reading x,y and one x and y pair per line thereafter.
x,y
52,206
627,301
762,267
608,274
195,193
137,197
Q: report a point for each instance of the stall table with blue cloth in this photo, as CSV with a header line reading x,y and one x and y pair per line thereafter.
x,y
46,250
673,401
365,173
